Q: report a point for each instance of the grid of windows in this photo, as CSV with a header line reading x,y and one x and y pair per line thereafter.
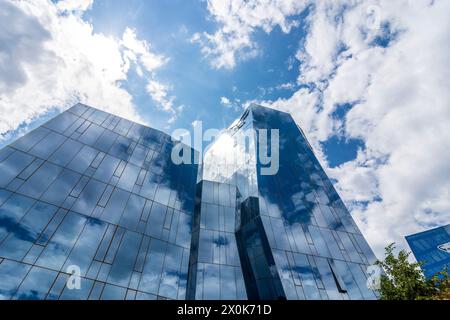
x,y
232,158
298,225
308,228
95,191
215,270
100,193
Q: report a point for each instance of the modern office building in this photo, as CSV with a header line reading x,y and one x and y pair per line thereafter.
x,y
432,248
93,195
94,191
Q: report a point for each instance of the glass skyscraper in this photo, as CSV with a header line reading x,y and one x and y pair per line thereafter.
x,y
95,195
94,191
295,238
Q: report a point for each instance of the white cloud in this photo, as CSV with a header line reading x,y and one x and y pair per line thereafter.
x,y
49,59
397,79
398,184
238,19
403,117
321,44
139,50
304,106
225,101
159,93
196,123
74,5
286,86
401,111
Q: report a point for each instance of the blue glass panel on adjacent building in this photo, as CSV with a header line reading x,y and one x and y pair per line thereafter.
x,y
432,248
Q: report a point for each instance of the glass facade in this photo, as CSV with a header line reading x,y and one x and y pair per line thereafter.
x,y
215,269
432,248
295,237
95,192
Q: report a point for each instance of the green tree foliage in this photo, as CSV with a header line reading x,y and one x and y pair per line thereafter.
x,y
404,280
441,283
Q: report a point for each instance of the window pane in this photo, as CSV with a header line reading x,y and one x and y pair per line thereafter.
x,y
61,187
106,140
12,166
66,152
44,148
89,197
98,117
332,244
138,155
24,234
212,217
227,283
79,109
78,294
122,267
361,280
280,234
5,153
156,220
319,243
184,230
106,169
299,238
205,250
149,185
57,250
36,185
12,211
123,126
171,272
153,267
328,279
132,214
4,195
362,243
61,122
36,284
116,204
306,275
29,140
83,159
351,286
120,147
349,247
211,285
128,177
86,246
12,275
91,134
111,292
145,296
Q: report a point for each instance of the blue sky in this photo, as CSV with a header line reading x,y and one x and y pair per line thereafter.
x,y
367,80
168,26
197,85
